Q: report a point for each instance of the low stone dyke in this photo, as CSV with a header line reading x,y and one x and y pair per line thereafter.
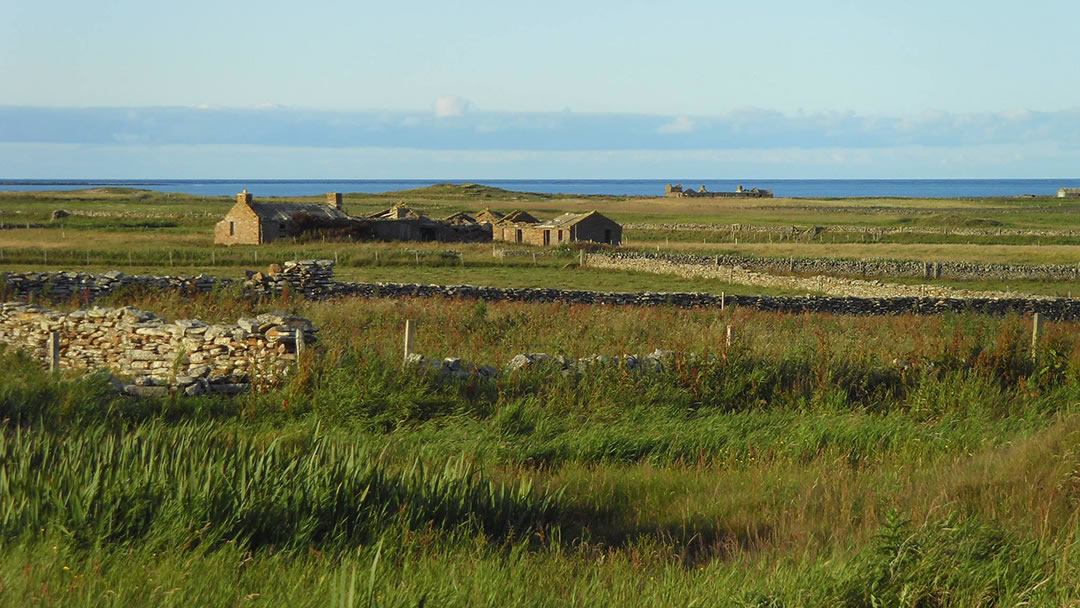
x,y
842,229
863,268
314,280
186,355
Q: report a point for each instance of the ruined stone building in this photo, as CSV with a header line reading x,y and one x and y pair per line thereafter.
x,y
1069,193
400,223
520,227
676,191
487,216
253,223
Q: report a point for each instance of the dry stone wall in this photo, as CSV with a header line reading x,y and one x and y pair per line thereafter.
x,y
870,230
831,285
186,355
314,279
858,268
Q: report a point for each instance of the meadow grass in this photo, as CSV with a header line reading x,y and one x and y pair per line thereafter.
x,y
819,461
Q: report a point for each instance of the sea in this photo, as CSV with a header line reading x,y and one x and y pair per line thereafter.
x,y
808,188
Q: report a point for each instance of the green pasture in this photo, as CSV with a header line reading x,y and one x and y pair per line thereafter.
x,y
817,461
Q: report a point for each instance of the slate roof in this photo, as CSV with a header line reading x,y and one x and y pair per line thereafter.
x,y
519,217
283,212
460,218
569,219
399,211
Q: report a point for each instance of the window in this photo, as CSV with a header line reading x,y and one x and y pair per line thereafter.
x,y
232,228
547,238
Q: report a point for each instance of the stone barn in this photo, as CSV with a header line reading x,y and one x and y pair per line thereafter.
x,y
567,228
1069,193
253,223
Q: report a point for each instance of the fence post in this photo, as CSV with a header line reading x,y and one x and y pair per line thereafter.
x,y
581,257
410,337
53,352
1036,333
730,335
300,345
723,299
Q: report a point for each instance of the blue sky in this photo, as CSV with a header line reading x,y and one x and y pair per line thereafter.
x,y
600,89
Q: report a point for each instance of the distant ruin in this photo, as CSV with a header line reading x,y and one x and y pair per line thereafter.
x,y
1069,193
676,191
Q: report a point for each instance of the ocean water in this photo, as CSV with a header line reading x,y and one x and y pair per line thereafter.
x,y
810,188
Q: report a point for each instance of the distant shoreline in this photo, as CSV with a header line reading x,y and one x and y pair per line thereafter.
x,y
782,188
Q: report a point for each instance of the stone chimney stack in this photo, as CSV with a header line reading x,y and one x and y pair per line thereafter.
x,y
244,197
333,199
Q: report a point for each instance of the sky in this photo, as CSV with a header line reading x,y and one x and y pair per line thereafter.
x,y
554,89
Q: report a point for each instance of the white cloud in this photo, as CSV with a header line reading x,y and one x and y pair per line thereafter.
x,y
448,106
680,124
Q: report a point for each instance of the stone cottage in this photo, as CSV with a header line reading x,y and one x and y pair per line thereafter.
x,y
252,223
1069,193
567,228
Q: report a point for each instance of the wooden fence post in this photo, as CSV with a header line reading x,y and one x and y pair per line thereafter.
x,y
1036,333
300,345
581,257
730,335
410,337
723,299
52,348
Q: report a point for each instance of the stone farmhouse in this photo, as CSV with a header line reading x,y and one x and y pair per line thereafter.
x,y
252,223
1069,193
520,227
676,191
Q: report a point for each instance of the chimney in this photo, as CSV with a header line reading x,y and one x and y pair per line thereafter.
x,y
333,199
244,197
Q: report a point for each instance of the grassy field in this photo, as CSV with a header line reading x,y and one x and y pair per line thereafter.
x,y
143,231
817,461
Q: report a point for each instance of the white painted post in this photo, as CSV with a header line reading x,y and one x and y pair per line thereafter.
x,y
300,345
52,347
581,256
534,258
730,335
723,299
1036,333
410,337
